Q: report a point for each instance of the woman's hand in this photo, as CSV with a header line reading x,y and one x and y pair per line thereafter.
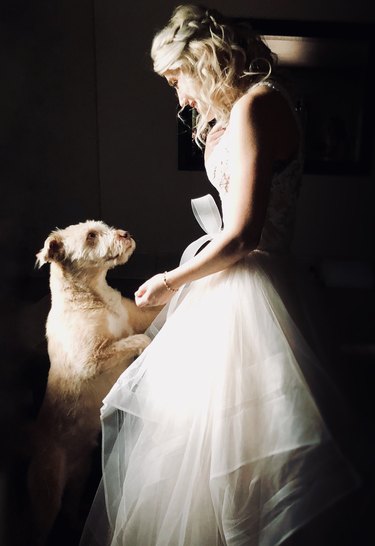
x,y
153,292
212,140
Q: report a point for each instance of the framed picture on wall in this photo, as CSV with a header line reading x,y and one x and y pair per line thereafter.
x,y
329,67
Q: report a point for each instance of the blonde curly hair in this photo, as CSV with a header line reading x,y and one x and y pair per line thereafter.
x,y
223,55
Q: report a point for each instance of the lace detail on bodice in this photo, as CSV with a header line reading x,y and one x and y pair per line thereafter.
x,y
278,227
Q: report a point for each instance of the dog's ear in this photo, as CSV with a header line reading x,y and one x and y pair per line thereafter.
x,y
53,251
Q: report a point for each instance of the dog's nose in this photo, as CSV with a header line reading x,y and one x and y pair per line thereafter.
x,y
123,234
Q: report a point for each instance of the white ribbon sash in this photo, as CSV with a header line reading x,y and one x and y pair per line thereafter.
x,y
208,217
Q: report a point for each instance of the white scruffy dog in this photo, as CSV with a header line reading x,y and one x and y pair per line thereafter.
x,y
93,334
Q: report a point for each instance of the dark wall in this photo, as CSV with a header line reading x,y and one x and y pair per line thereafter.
x,y
49,125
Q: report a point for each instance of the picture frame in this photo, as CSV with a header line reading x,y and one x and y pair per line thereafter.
x,y
330,67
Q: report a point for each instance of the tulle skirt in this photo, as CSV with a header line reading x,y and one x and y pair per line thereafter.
x,y
213,435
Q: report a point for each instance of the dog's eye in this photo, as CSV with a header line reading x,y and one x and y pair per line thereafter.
x,y
91,236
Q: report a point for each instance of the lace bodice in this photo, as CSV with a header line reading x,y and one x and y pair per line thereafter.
x,y
277,230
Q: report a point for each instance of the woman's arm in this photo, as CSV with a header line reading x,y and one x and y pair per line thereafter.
x,y
254,146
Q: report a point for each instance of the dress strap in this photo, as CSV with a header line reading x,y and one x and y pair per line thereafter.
x,y
272,84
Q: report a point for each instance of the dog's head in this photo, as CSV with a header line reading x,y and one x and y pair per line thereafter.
x,y
90,244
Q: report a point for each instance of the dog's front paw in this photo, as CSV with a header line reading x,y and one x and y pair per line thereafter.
x,y
132,346
142,341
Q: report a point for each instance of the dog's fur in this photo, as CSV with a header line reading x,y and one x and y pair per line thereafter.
x,y
93,334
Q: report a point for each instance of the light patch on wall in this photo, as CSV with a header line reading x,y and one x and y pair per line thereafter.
x,y
310,51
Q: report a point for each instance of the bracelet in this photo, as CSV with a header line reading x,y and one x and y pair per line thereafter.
x,y
167,286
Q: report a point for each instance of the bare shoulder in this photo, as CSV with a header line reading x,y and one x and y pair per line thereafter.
x,y
262,100
254,117
264,109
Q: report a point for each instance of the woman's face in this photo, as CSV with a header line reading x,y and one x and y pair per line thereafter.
x,y
185,86
187,90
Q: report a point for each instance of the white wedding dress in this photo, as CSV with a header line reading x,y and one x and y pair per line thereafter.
x,y
212,437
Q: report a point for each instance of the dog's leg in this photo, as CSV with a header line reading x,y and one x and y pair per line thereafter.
x,y
122,350
140,317
46,481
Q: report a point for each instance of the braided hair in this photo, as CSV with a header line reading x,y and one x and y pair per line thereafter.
x,y
223,55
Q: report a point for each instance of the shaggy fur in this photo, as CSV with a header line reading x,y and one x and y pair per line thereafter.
x,y
93,334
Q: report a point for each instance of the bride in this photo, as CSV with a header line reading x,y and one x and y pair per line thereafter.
x,y
213,436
